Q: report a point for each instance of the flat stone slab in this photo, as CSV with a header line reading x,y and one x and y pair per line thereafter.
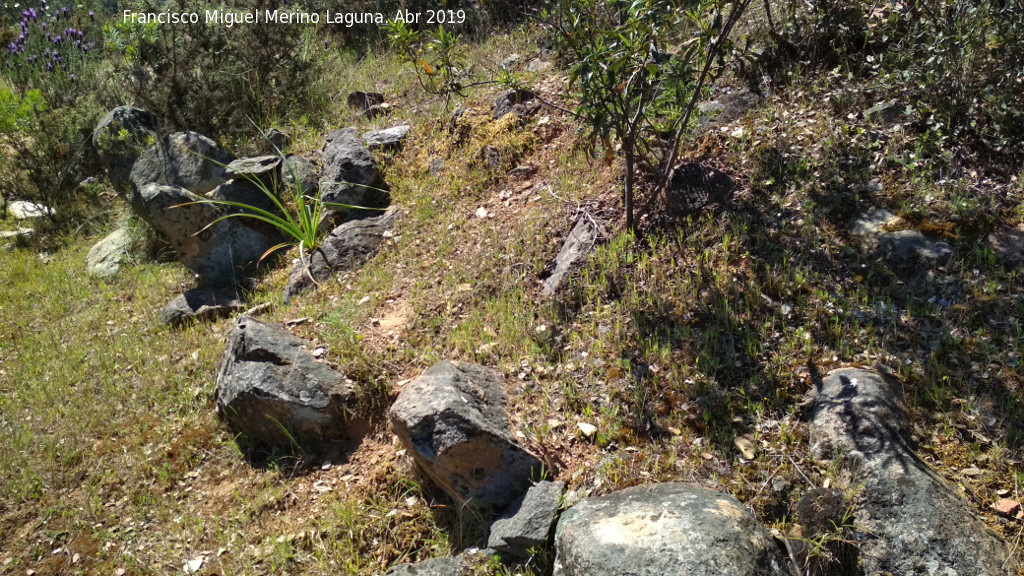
x,y
262,168
668,529
387,139
575,249
877,231
911,520
527,523
201,304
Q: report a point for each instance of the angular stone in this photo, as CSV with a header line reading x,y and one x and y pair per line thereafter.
x,y
201,304
577,246
349,169
347,247
219,252
538,65
526,524
452,420
119,138
377,110
387,139
262,168
665,529
911,520
272,390
364,100
297,173
873,222
105,258
184,159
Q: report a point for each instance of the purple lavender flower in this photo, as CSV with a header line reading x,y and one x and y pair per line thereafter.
x,y
91,15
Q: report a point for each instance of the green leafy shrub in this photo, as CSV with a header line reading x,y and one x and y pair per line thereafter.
x,y
956,66
440,68
212,78
630,85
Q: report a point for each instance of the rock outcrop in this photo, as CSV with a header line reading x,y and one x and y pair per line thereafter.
x,y
349,172
913,521
272,390
452,420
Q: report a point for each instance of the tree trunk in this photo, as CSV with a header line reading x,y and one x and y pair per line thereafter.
x,y
630,160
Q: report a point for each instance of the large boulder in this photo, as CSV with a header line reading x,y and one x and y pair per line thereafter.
x,y
347,247
216,253
526,524
670,529
105,258
911,520
272,390
119,138
184,159
200,304
452,420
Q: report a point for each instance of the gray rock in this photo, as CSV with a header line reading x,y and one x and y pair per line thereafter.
x,y
664,530
272,390
265,169
378,110
25,210
1008,244
492,157
447,566
202,304
218,252
277,141
364,100
527,522
908,247
297,172
388,139
911,520
577,246
105,258
119,138
349,170
18,234
725,108
182,159
452,420
347,247
538,65
873,222
513,101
